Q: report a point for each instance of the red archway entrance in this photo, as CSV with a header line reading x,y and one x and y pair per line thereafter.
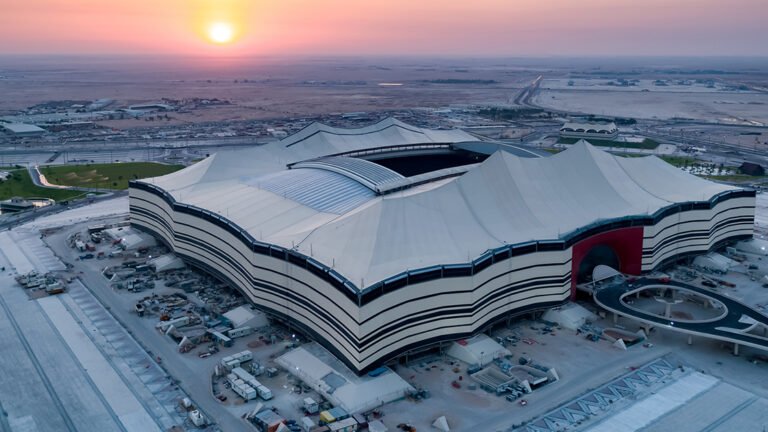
x,y
625,243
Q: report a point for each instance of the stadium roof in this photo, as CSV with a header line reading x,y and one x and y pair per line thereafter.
x,y
320,139
368,237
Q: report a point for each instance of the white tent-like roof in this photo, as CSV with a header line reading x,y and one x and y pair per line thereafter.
x,y
441,423
349,391
368,237
166,262
242,316
753,246
602,272
570,316
590,127
478,350
713,262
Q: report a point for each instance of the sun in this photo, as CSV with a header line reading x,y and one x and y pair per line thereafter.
x,y
221,33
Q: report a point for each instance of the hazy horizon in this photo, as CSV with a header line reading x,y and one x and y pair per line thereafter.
x,y
395,28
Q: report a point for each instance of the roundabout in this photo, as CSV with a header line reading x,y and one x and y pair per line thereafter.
x,y
707,314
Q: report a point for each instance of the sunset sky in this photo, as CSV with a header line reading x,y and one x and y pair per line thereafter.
x,y
385,27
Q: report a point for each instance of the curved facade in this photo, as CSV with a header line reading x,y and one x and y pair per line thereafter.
x,y
477,245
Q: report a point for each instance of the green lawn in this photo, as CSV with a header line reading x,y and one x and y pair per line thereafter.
x,y
681,161
646,144
105,176
737,178
20,185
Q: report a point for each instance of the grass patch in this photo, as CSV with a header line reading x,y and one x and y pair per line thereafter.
x,y
105,176
736,178
646,144
19,184
681,161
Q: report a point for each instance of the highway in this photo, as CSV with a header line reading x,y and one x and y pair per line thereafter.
x,y
716,150
727,328
524,97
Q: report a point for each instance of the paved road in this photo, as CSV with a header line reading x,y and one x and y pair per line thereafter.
x,y
15,219
525,95
137,144
610,298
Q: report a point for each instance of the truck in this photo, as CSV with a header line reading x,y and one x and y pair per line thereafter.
x,y
54,288
311,406
34,283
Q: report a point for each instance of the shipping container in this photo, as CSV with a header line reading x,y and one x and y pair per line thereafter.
x,y
239,332
347,425
224,341
264,392
326,417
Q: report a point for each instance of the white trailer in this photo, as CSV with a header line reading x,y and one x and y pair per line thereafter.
x,y
245,391
243,375
176,322
239,332
244,356
264,392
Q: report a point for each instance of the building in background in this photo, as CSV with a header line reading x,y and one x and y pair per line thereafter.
x,y
23,129
604,131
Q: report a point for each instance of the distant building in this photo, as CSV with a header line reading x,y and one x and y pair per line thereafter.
x,y
607,131
151,107
23,129
99,104
72,125
752,169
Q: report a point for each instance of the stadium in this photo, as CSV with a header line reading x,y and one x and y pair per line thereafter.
x,y
380,240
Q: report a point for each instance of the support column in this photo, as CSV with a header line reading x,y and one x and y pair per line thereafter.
x,y
667,310
615,318
690,339
735,349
